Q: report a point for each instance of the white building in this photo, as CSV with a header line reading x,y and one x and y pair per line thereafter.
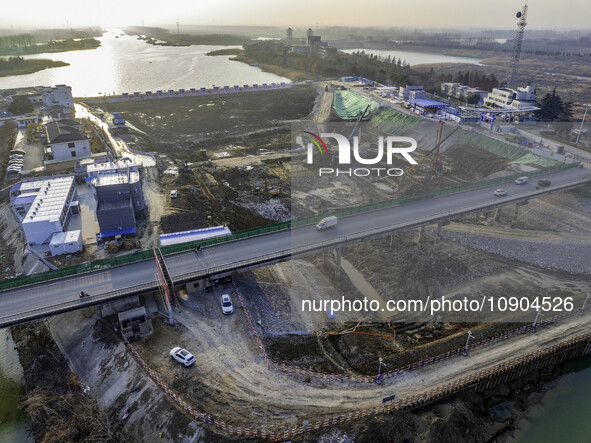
x,y
44,206
60,95
64,139
411,92
520,98
65,242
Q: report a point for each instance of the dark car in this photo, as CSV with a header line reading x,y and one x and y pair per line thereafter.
x,y
544,182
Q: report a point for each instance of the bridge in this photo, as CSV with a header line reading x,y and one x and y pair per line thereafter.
x,y
55,295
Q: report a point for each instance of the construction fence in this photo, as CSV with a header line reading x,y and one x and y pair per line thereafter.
x,y
368,378
574,347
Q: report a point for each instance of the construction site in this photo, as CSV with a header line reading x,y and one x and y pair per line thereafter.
x,y
273,371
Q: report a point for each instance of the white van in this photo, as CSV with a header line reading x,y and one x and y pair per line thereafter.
x,y
521,180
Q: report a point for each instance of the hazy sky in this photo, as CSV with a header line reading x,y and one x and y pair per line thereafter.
x,y
553,14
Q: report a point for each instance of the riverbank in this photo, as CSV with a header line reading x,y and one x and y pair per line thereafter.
x,y
229,51
20,66
163,37
56,403
293,74
53,46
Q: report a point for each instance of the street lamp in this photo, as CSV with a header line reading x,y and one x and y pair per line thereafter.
x,y
587,106
533,326
467,340
379,379
585,302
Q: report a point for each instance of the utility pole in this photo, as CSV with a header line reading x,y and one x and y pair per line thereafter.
x,y
177,28
586,105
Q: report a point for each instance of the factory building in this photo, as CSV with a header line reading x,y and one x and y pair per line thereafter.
x,y
44,207
520,98
120,200
65,140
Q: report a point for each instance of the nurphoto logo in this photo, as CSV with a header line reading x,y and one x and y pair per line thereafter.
x,y
391,146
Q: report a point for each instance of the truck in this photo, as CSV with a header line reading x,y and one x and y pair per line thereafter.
x,y
327,222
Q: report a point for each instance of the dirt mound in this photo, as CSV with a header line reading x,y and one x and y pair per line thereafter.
x,y
474,163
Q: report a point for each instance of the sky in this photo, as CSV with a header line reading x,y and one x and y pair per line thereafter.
x,y
486,14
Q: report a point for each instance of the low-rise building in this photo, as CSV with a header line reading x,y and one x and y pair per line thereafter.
x,y
411,92
520,98
461,91
44,206
120,200
64,139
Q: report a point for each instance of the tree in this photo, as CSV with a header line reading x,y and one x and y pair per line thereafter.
x,y
472,99
552,107
20,105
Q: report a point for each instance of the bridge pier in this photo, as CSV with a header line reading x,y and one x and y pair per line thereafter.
x,y
337,267
420,235
437,235
497,215
516,213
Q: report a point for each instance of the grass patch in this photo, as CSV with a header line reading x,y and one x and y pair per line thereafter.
x,y
53,46
20,66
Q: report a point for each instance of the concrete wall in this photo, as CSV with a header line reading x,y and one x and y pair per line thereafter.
x,y
64,151
117,306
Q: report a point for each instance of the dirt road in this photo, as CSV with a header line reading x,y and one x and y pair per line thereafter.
x,y
231,380
323,103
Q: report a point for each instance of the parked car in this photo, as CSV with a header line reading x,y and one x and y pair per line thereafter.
x,y
174,194
13,156
182,356
227,307
544,182
521,180
17,151
500,192
15,162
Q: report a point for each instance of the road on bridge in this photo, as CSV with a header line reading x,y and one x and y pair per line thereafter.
x,y
60,295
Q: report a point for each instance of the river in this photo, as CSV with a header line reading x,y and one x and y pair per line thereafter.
x,y
13,426
125,64
562,415
418,58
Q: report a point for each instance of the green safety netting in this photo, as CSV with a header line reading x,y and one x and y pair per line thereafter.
x,y
394,122
513,153
350,105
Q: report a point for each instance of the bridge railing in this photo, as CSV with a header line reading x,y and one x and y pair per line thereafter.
x,y
238,235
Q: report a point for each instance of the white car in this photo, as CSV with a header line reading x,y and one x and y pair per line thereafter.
x,y
500,192
182,356
174,194
227,307
15,156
